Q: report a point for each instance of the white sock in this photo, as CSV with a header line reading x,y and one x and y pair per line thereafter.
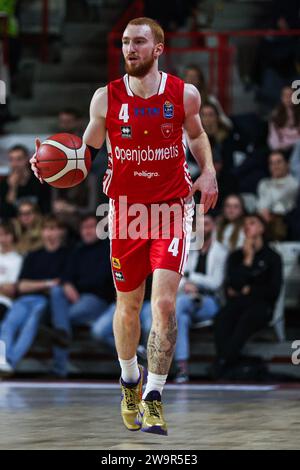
x,y
155,382
130,371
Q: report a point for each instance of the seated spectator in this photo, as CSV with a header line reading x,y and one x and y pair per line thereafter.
x,y
200,287
277,195
194,75
253,283
230,231
28,226
86,290
102,329
41,271
10,265
224,143
21,183
284,126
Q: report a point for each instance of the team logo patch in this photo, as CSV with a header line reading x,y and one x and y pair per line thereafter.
x,y
126,132
168,110
116,263
119,276
166,130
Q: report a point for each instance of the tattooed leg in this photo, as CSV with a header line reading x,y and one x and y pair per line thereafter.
x,y
162,337
161,344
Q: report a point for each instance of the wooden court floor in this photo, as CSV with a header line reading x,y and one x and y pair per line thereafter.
x,y
86,416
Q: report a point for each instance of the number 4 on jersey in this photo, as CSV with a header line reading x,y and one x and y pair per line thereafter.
x,y
124,115
173,248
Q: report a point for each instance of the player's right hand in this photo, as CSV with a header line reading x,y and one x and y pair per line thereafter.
x,y
33,161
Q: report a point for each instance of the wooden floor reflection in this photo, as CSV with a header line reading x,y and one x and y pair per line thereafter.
x,y
55,417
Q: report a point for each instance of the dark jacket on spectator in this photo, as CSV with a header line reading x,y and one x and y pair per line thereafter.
x,y
89,269
264,276
33,190
42,264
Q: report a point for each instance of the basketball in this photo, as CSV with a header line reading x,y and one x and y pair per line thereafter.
x,y
63,160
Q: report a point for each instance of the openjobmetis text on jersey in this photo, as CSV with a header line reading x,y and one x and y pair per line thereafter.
x,y
148,154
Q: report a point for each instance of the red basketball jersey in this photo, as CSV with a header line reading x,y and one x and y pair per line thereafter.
x,y
146,151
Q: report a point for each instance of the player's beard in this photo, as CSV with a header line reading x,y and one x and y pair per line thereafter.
x,y
139,70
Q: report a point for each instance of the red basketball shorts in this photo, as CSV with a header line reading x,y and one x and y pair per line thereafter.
x,y
145,237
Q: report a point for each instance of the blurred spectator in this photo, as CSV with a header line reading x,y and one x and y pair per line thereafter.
x,y
70,121
194,75
86,290
200,286
277,195
219,135
230,230
10,265
21,183
40,272
28,226
225,143
253,283
284,127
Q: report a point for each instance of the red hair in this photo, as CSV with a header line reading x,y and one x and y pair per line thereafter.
x,y
156,29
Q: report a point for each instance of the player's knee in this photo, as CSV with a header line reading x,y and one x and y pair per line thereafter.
x,y
164,306
128,313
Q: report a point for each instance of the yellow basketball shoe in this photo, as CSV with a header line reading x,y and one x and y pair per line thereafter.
x,y
131,397
150,416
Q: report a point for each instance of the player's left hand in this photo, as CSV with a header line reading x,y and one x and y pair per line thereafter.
x,y
208,186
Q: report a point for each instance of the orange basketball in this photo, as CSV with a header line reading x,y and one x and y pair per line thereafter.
x,y
63,160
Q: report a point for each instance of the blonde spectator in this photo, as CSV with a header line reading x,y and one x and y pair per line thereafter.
x,y
28,227
194,75
277,195
284,127
230,231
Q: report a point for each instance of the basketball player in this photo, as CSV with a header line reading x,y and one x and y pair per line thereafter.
x,y
142,116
